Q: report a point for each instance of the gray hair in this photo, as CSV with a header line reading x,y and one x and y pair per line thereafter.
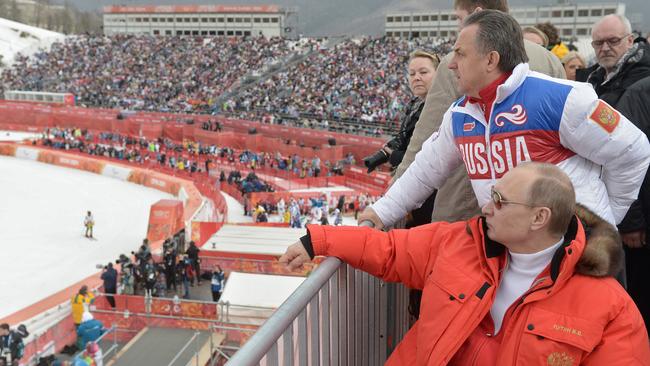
x,y
499,32
626,22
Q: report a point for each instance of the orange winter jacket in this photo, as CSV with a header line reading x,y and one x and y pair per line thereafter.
x,y
574,314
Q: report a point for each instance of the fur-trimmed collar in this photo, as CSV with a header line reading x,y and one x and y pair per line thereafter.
x,y
602,255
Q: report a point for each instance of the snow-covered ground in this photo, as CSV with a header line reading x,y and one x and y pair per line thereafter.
x,y
235,210
42,246
42,206
21,38
17,136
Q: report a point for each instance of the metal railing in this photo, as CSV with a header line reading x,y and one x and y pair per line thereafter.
x,y
338,316
110,337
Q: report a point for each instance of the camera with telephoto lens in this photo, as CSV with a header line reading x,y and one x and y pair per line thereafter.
x,y
380,157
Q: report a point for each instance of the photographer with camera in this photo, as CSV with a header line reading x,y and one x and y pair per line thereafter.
x,y
109,276
126,275
421,73
12,346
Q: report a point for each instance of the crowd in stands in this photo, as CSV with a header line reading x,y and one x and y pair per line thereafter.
x,y
251,183
355,87
326,209
357,80
175,74
189,156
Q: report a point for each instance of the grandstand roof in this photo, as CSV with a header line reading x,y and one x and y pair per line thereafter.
x,y
120,9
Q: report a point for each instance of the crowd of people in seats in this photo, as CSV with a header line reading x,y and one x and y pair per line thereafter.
x,y
360,80
354,86
169,74
325,209
189,156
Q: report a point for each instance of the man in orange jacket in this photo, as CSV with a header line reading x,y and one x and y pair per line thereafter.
x,y
521,285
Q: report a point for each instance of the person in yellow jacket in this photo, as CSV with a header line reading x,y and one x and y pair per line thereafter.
x,y
80,303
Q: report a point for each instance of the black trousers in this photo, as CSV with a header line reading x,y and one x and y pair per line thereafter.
x,y
109,298
216,296
637,268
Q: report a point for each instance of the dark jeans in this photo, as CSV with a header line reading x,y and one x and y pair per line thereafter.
x,y
170,279
197,270
109,298
216,296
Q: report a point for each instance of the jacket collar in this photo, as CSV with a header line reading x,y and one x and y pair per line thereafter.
x,y
634,55
503,91
591,247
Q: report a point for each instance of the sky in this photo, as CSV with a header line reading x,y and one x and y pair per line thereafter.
x,y
351,17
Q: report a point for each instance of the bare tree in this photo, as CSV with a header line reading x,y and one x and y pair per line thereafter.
x,y
39,9
67,18
3,8
14,12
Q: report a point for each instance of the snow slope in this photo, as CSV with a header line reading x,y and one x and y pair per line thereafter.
x,y
42,247
32,39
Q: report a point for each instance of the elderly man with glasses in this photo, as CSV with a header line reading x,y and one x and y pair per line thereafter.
x,y
621,60
622,78
509,115
527,283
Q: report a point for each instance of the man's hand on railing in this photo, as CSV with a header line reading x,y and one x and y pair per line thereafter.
x,y
295,256
369,215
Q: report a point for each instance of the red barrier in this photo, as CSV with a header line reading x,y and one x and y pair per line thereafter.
x,y
165,219
160,306
203,231
262,264
57,336
153,125
8,149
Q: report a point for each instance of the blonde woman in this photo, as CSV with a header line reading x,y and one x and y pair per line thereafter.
x,y
572,61
421,73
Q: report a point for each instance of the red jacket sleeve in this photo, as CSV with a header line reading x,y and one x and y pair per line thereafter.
x,y
396,256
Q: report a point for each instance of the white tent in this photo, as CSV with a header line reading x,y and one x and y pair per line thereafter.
x,y
252,298
253,239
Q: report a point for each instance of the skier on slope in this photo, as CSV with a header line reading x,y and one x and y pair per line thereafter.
x,y
89,222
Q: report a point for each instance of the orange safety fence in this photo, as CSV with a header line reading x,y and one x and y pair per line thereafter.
x,y
165,219
203,231
250,263
160,306
165,313
154,125
71,161
57,336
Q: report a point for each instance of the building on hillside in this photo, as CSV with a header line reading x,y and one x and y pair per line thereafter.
x,y
574,21
198,20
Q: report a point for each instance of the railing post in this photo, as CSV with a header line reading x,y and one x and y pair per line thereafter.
x,y
335,359
325,299
314,331
343,311
302,337
197,349
211,329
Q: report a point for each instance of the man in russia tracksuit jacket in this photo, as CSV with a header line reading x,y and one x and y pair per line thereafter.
x,y
511,115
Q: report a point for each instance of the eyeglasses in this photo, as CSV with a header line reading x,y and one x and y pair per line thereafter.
x,y
498,200
611,42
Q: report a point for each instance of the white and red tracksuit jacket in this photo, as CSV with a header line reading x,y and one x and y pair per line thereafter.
x,y
534,118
